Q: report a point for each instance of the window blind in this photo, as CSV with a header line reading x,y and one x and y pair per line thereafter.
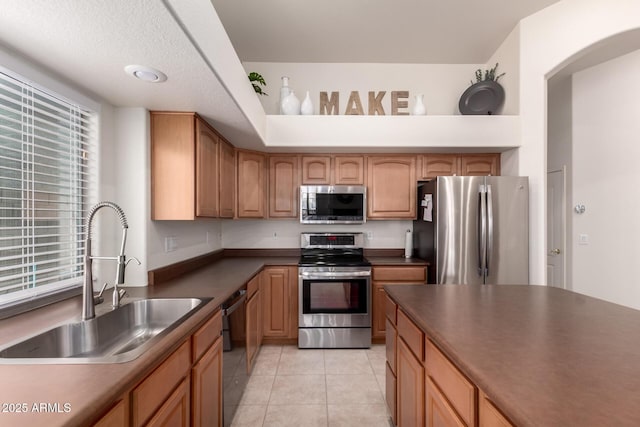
x,y
46,150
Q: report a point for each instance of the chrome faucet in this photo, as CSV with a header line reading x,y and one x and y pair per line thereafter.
x,y
88,300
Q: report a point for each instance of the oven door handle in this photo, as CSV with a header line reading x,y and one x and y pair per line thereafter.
x,y
334,274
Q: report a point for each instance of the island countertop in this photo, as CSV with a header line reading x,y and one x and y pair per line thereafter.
x,y
545,356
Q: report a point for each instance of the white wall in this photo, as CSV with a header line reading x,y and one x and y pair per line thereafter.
x,y
507,56
549,40
606,178
286,233
441,84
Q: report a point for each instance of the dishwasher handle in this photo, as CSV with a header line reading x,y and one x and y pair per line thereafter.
x,y
237,303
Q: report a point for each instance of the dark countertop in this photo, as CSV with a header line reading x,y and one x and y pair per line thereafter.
x,y
545,356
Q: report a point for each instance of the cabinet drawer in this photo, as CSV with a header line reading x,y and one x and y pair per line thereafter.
x,y
439,412
457,389
400,274
390,309
206,335
252,286
411,334
157,387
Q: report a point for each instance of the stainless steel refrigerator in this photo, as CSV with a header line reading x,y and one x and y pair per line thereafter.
x,y
474,229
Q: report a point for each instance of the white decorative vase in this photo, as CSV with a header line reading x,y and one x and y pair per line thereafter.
x,y
306,108
291,105
418,107
285,90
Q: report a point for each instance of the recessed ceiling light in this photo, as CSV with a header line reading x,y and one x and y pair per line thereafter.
x,y
147,74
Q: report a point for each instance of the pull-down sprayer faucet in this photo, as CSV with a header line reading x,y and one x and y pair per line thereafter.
x,y
88,309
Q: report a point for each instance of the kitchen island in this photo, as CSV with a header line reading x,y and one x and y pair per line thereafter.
x,y
543,356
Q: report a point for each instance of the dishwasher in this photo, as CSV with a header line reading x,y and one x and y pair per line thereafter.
x,y
234,370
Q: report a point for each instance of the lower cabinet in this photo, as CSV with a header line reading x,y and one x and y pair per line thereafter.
x,y
184,390
280,303
410,387
490,416
253,322
438,411
390,275
206,388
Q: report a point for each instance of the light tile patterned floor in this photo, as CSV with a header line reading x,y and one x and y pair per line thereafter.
x,y
323,388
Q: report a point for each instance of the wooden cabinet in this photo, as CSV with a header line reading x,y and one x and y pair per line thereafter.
x,y
252,321
280,304
283,186
438,411
316,170
118,416
434,165
349,170
227,180
206,388
333,170
184,167
150,395
251,185
175,411
390,275
489,415
410,387
391,351
391,182
480,164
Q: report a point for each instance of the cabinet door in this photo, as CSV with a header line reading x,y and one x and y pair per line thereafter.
x,y
251,185
392,187
227,181
172,166
349,170
410,397
276,304
316,170
434,165
206,170
252,324
283,186
378,311
480,164
438,411
175,411
206,389
390,393
489,415
118,416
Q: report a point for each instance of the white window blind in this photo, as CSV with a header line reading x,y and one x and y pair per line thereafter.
x,y
46,146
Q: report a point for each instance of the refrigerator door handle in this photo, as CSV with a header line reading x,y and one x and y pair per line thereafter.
x,y
482,231
489,238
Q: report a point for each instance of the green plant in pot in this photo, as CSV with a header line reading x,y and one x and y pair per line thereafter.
x,y
257,81
485,96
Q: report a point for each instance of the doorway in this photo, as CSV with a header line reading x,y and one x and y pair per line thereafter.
x,y
556,228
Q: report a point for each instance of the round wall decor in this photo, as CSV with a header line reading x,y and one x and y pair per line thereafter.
x,y
482,98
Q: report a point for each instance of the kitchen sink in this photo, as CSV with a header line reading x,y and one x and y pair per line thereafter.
x,y
120,335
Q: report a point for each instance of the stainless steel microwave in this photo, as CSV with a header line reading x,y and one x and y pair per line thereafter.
x,y
333,204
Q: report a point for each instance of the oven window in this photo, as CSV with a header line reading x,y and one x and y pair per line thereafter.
x,y
333,296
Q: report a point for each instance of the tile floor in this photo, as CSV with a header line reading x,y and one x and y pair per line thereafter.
x,y
328,388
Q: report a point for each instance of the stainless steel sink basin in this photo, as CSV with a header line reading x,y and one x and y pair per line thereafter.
x,y
117,336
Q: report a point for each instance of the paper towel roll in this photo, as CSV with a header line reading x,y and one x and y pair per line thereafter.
x,y
408,244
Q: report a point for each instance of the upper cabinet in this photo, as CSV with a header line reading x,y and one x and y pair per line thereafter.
x,y
392,183
434,165
252,185
184,167
283,186
227,180
333,170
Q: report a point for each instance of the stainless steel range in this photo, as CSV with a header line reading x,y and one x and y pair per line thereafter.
x,y
334,292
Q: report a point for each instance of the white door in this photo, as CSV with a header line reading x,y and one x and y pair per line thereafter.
x,y
556,248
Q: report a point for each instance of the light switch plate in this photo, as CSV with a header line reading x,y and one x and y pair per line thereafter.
x,y
583,239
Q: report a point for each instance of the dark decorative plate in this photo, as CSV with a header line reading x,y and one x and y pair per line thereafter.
x,y
482,98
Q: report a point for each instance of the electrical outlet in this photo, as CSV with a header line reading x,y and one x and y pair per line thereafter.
x,y
583,239
170,244
275,236
369,235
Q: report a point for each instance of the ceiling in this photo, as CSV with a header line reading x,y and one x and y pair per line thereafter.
x,y
371,31
87,43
